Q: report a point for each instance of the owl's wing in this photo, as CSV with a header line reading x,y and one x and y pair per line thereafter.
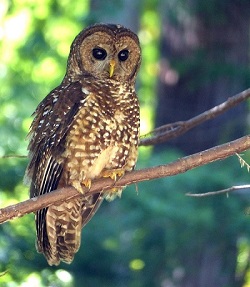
x,y
53,118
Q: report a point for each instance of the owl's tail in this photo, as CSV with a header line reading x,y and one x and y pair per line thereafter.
x,y
63,224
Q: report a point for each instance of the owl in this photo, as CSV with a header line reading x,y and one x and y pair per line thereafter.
x,y
86,128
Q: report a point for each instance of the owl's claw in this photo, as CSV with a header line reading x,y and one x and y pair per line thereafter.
x,y
87,183
78,186
113,174
113,193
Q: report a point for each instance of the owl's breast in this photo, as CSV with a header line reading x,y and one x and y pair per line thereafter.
x,y
102,137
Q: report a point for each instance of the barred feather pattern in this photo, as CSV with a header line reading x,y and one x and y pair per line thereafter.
x,y
64,225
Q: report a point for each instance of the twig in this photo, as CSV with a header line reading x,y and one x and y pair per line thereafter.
x,y
173,130
243,162
180,166
230,189
210,193
13,156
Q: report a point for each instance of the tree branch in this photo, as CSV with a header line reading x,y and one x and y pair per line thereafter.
x,y
180,166
173,130
227,190
159,135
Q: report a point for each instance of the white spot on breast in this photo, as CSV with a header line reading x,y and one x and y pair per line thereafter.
x,y
92,136
45,112
92,147
85,91
79,154
119,116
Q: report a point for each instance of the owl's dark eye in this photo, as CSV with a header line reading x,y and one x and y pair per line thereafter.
x,y
123,55
99,53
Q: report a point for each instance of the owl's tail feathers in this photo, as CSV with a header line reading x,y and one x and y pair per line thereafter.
x,y
64,224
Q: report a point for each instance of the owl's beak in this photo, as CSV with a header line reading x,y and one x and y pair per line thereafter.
x,y
111,68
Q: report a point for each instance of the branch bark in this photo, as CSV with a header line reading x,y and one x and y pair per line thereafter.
x,y
180,166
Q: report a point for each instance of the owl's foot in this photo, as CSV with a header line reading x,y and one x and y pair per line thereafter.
x,y
113,174
87,183
78,186
113,193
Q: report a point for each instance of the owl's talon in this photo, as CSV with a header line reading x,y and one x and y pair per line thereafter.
x,y
87,183
113,173
113,193
77,186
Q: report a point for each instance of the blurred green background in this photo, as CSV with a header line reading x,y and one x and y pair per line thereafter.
x,y
195,55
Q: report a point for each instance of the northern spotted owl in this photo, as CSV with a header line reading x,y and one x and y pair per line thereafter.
x,y
86,128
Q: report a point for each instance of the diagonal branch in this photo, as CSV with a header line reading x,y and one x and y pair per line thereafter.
x,y
180,166
173,130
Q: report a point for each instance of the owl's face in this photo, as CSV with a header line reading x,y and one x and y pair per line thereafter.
x,y
106,51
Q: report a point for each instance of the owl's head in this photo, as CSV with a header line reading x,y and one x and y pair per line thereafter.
x,y
105,51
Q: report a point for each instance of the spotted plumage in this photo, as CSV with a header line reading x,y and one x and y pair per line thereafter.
x,y
86,128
